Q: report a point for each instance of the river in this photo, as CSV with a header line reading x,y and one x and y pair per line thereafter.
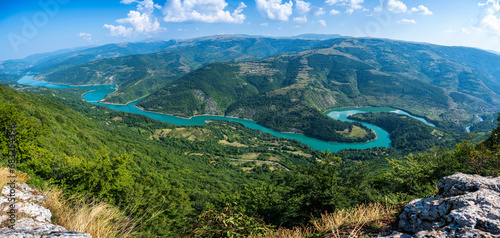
x,y
99,91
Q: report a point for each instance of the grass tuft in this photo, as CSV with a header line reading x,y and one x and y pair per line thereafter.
x,y
99,219
355,222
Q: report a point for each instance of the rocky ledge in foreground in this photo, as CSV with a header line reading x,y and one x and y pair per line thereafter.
x,y
467,206
32,219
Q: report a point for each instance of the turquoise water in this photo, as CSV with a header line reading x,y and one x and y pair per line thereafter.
x,y
341,114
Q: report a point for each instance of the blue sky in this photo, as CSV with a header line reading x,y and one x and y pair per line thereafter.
x,y
29,27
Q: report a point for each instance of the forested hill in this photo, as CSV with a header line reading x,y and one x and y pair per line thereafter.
x,y
160,174
220,178
445,84
140,74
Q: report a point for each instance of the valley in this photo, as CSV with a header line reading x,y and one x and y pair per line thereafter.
x,y
382,140
274,133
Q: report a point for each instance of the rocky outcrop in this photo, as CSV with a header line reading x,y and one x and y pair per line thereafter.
x,y
30,218
466,206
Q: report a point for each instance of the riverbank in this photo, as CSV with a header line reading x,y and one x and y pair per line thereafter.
x,y
100,91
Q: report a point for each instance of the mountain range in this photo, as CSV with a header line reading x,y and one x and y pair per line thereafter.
x,y
285,83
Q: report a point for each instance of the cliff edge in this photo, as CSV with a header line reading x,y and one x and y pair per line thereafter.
x,y
24,216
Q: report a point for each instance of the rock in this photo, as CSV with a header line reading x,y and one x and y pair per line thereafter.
x,y
467,206
458,184
32,219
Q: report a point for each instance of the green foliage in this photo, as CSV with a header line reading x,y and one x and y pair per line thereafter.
x,y
230,221
408,134
19,135
9,78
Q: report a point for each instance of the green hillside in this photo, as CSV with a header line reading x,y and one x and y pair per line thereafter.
x,y
181,180
448,85
8,78
131,161
141,74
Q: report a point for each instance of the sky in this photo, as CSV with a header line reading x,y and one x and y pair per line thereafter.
x,y
37,26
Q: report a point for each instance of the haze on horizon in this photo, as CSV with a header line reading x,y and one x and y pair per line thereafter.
x,y
30,27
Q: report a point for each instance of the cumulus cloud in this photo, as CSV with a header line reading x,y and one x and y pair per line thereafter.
x,y
396,6
490,20
322,22
351,5
334,12
264,24
319,12
142,21
406,21
85,36
302,19
302,7
119,30
208,11
274,9
421,9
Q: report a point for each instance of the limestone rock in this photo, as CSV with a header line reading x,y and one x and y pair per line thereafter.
x,y
467,206
32,219
459,183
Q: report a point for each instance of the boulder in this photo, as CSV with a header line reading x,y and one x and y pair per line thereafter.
x,y
466,206
32,219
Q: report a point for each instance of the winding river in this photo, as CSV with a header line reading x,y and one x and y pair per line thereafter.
x,y
99,91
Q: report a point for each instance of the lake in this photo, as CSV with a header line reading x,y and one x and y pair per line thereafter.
x,y
99,91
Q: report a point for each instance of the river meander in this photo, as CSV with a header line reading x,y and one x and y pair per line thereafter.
x,y
99,91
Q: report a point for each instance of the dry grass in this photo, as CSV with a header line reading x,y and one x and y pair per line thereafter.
x,y
4,179
343,223
293,233
99,219
358,216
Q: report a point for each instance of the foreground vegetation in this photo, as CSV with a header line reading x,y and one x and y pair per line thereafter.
x,y
180,181
76,213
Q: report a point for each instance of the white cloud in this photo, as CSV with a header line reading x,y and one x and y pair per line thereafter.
x,y
322,22
208,11
302,19
119,30
142,20
264,24
351,5
85,36
319,12
396,6
490,20
146,6
274,9
492,23
334,12
302,7
421,9
406,21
